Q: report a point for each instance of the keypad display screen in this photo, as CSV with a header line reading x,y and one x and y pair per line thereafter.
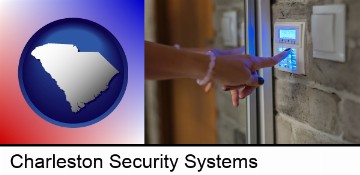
x,y
287,34
290,61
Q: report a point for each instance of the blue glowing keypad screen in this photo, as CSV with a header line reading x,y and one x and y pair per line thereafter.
x,y
287,34
290,61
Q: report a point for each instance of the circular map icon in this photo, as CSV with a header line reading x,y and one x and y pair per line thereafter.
x,y
73,72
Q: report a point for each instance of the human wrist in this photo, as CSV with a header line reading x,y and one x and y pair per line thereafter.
x,y
198,65
210,69
195,62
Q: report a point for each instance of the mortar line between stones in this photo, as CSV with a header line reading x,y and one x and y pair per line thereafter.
x,y
342,94
298,124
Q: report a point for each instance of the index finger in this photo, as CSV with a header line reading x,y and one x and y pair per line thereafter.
x,y
272,61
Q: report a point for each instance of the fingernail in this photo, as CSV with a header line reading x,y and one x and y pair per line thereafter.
x,y
226,89
287,49
260,80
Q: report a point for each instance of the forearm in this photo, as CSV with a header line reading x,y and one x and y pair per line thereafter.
x,y
166,62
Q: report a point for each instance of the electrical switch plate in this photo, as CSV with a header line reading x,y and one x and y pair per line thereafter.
x,y
323,32
328,32
229,28
290,35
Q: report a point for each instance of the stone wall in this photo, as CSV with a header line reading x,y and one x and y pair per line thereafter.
x,y
324,105
321,107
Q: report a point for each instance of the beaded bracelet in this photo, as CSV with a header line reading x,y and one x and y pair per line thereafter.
x,y
209,73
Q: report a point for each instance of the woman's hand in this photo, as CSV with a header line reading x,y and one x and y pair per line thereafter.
x,y
238,72
237,51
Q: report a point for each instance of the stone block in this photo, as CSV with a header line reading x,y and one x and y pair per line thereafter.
x,y
292,99
283,130
350,116
289,10
324,113
317,108
307,136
